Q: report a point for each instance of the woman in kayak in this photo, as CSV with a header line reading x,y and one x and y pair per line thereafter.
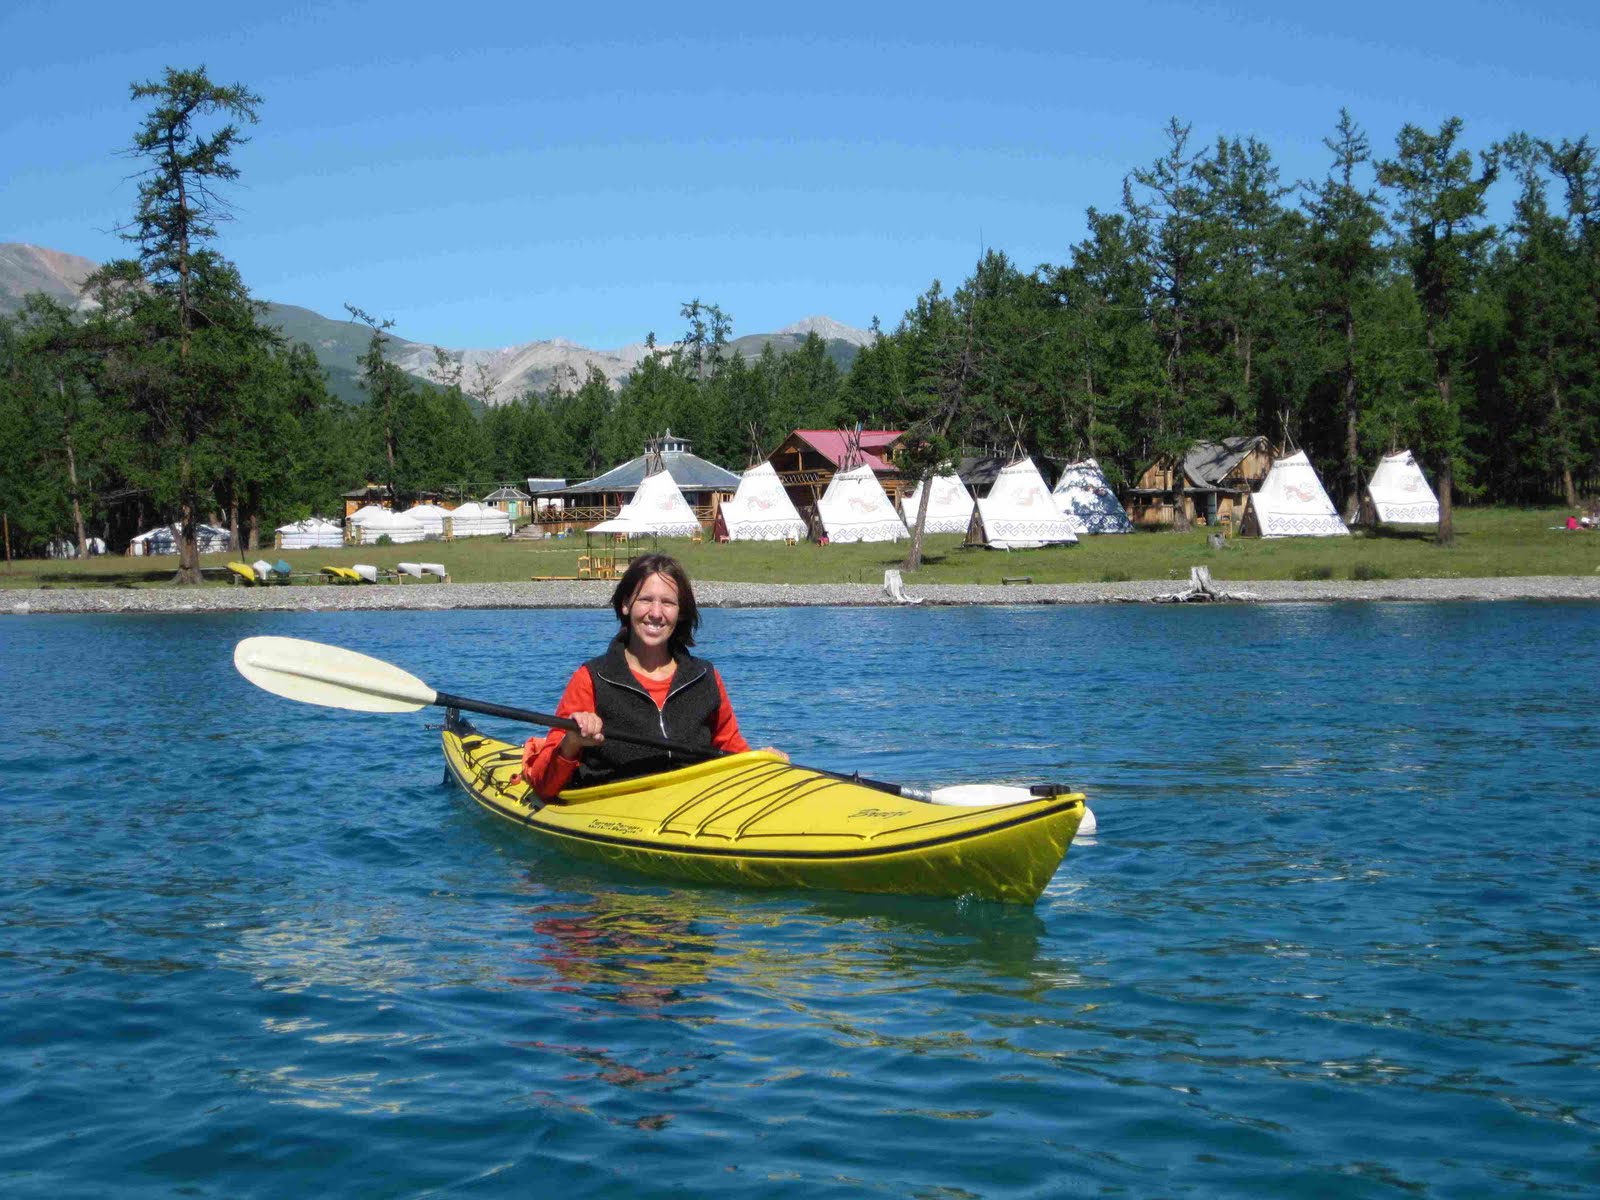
x,y
646,684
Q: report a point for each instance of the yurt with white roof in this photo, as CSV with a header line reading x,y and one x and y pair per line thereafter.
x,y
430,516
314,533
479,520
365,513
1086,500
657,507
372,523
163,539
949,505
1019,512
760,510
1291,503
854,508
1398,493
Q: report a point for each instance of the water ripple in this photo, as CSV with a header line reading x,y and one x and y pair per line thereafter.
x,y
1335,937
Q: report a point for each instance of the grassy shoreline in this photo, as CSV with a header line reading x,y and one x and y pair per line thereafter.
x,y
1490,543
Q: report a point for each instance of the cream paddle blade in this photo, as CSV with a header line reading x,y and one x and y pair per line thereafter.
x,y
317,674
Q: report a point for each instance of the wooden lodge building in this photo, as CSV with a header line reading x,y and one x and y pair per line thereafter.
x,y
371,493
704,486
1218,478
808,459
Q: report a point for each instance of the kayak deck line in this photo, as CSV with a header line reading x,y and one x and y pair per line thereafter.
x,y
807,785
754,819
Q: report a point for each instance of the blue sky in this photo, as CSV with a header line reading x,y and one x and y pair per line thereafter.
x,y
487,174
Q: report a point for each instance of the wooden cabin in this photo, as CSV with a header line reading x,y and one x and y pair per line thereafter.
x,y
1218,478
511,500
808,459
369,493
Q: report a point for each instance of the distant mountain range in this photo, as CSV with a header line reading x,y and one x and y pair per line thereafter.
x,y
339,345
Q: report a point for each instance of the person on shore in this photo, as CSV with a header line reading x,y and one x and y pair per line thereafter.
x,y
646,683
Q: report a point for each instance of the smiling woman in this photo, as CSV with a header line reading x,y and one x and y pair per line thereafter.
x,y
645,683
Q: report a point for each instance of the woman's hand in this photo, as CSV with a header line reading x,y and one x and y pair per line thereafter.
x,y
590,733
774,750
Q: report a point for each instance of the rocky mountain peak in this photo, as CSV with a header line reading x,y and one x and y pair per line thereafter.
x,y
512,370
25,268
829,330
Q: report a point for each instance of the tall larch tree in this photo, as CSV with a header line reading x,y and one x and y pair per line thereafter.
x,y
1346,261
1166,203
192,311
1440,205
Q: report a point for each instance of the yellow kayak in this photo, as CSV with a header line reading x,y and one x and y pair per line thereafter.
x,y
752,819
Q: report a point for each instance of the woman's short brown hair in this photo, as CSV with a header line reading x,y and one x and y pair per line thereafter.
x,y
633,579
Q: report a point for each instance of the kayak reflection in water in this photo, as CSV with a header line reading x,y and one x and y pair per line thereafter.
x,y
646,684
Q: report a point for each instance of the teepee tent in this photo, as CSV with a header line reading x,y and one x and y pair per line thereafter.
x,y
314,533
1291,503
1087,501
760,510
949,505
657,507
1398,494
855,509
1019,513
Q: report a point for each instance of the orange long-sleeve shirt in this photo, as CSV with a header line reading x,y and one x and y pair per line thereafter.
x,y
547,770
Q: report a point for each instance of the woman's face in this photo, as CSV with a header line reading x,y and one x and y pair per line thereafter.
x,y
653,612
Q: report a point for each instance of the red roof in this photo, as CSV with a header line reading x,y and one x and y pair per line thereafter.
x,y
830,443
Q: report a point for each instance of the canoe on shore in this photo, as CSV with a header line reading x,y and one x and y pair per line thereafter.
x,y
755,820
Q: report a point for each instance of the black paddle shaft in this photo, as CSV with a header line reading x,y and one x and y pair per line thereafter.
x,y
446,700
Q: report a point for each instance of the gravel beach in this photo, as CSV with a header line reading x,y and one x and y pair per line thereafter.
x,y
711,594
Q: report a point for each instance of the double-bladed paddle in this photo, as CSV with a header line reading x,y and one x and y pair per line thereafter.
x,y
314,673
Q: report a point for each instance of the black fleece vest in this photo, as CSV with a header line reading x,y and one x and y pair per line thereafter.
x,y
625,707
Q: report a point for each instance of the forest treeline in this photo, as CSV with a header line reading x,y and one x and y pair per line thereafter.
x,y
1374,308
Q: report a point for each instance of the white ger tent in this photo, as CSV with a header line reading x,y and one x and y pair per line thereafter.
x,y
657,507
67,548
949,505
1019,512
473,519
429,516
373,522
1291,503
314,533
855,509
1398,494
163,539
760,510
1087,501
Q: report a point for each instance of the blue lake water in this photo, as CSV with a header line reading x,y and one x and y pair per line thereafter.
x,y
1336,938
